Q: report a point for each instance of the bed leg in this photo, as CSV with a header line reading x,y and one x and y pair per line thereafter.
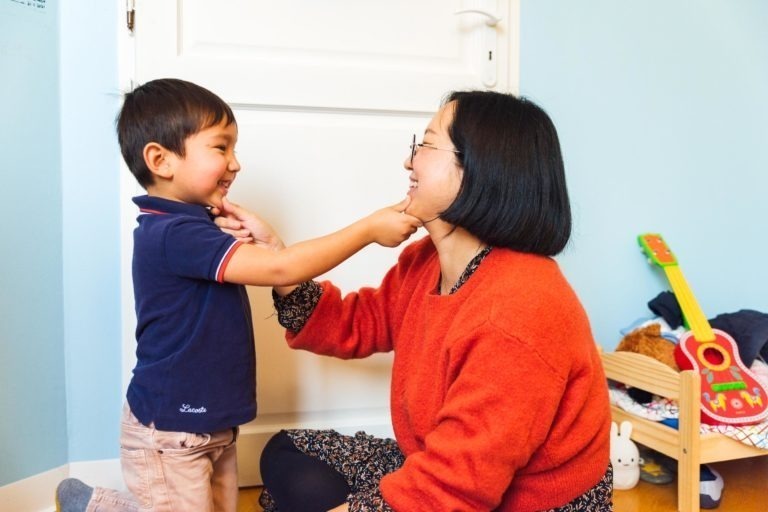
x,y
689,457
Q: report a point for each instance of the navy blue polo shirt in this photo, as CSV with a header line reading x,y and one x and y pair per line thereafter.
x,y
196,360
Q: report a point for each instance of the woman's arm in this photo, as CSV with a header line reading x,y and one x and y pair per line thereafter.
x,y
357,324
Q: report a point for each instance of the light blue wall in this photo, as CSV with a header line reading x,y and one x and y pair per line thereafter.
x,y
90,165
60,391
33,433
662,111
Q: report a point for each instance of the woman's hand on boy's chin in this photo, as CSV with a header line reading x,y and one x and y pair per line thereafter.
x,y
246,226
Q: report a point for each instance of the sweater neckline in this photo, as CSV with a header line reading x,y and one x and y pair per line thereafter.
x,y
470,269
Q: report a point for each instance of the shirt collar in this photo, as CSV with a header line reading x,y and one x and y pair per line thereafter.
x,y
160,206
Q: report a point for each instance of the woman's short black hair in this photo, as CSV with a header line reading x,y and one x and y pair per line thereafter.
x,y
165,111
513,192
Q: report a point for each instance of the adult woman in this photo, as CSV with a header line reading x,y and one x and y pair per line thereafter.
x,y
498,397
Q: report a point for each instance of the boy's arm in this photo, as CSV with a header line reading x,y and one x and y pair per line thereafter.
x,y
229,223
265,263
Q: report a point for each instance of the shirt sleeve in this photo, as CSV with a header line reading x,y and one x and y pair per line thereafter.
x,y
197,248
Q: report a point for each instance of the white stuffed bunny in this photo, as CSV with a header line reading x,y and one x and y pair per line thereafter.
x,y
625,457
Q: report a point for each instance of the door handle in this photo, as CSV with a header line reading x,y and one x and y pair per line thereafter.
x,y
491,19
488,56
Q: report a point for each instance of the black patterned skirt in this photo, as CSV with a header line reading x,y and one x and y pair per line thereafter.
x,y
363,460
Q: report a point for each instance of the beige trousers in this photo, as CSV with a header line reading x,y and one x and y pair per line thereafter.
x,y
172,471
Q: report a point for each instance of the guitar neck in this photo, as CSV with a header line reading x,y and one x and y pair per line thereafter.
x,y
692,312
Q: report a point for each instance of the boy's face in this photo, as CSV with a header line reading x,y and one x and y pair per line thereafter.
x,y
203,176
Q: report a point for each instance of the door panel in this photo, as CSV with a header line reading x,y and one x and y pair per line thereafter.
x,y
327,96
387,55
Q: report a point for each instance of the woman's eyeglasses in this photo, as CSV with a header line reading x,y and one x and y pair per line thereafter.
x,y
415,146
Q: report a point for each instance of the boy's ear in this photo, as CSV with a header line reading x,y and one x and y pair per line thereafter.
x,y
158,159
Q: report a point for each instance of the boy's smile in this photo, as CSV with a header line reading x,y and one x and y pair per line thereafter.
x,y
206,171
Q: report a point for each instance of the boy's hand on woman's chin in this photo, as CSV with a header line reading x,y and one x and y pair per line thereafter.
x,y
246,226
391,226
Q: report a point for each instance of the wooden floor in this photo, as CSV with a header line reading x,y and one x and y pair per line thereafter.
x,y
249,500
746,490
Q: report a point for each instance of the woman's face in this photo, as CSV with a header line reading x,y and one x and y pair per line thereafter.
x,y
435,174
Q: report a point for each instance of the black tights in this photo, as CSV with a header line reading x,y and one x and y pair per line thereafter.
x,y
299,482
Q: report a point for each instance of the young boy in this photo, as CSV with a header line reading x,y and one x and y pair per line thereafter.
x,y
194,380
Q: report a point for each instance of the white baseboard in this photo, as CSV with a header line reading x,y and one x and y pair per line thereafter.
x,y
99,473
36,493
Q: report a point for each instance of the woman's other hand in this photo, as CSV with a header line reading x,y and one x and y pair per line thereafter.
x,y
247,226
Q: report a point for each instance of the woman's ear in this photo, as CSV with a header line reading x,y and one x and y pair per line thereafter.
x,y
158,160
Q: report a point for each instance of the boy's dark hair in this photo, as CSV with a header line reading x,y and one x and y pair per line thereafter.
x,y
165,111
513,191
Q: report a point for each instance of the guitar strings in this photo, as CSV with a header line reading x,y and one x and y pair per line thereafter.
x,y
690,306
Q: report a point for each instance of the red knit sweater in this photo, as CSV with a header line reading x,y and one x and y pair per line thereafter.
x,y
498,397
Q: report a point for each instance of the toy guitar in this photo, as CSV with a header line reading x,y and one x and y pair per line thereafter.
x,y
730,393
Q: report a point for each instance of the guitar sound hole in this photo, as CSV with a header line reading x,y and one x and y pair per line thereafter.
x,y
713,356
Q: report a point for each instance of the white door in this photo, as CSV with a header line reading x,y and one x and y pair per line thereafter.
x,y
327,95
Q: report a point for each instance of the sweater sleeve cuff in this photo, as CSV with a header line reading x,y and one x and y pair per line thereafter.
x,y
294,309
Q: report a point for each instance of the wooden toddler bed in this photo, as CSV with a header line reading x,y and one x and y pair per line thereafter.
x,y
687,445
